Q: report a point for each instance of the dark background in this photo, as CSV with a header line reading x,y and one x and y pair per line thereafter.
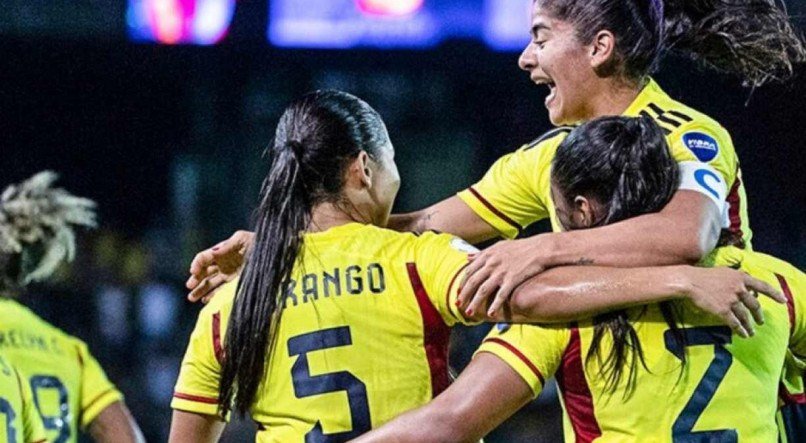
x,y
168,140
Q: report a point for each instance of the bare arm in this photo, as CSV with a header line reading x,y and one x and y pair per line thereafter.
x,y
686,230
116,424
451,216
486,393
187,427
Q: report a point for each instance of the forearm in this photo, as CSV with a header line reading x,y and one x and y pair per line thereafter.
x,y
115,424
684,232
425,425
450,216
576,292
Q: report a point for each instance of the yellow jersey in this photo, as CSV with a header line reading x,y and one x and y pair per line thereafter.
x,y
726,391
19,421
69,387
515,192
362,336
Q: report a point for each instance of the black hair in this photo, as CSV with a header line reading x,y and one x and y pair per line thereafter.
x,y
752,39
317,137
625,165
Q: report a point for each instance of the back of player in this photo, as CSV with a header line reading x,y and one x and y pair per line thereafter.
x,y
362,336
69,387
19,421
725,391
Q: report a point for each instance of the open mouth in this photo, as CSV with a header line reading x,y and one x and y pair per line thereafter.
x,y
552,92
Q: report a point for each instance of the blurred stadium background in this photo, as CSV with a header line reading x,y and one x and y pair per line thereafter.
x,y
160,110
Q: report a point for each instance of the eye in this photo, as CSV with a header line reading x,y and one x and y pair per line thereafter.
x,y
540,44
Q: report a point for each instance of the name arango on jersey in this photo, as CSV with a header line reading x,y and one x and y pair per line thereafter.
x,y
350,280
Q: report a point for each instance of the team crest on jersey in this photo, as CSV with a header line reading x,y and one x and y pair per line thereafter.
x,y
463,246
703,146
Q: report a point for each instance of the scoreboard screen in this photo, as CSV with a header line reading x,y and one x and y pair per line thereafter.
x,y
342,24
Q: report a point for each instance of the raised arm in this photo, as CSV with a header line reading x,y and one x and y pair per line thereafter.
x,y
486,393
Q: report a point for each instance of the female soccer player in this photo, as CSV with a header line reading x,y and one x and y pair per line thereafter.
x,y
596,56
69,387
662,372
19,420
332,307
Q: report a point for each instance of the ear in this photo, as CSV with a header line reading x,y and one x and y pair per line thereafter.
x,y
603,48
583,212
362,170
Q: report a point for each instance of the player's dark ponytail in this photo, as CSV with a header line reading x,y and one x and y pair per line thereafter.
x,y
317,137
625,165
752,39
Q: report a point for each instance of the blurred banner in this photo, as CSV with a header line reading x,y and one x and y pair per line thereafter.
x,y
341,24
201,22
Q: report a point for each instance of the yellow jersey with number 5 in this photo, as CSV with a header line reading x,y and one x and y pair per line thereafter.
x,y
362,336
69,387
726,391
19,421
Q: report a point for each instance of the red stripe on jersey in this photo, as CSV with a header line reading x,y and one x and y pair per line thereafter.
x,y
790,301
495,210
450,289
196,398
576,392
788,398
734,213
435,334
520,355
217,349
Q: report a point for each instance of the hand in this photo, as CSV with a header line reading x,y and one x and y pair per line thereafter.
x,y
220,264
729,294
499,270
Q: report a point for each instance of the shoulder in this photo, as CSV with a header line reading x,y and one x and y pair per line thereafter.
x,y
698,133
550,138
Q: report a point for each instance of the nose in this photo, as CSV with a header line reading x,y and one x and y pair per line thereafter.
x,y
528,59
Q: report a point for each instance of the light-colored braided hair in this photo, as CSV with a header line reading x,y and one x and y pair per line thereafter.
x,y
36,229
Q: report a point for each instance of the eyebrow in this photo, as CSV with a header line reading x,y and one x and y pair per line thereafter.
x,y
537,27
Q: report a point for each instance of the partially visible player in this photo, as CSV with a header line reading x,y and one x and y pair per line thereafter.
x,y
663,372
339,325
19,420
70,390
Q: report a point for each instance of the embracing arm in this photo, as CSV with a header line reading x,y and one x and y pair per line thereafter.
x,y
450,216
486,393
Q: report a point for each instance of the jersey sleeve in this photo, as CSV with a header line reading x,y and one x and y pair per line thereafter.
x,y
514,193
97,392
533,352
33,427
793,284
441,261
199,376
709,143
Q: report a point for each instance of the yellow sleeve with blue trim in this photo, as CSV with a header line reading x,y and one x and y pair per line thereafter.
x,y
197,387
514,193
441,261
534,352
97,392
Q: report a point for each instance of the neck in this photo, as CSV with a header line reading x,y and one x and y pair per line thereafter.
x,y
613,97
330,215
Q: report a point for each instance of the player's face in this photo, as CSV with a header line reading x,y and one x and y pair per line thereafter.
x,y
555,57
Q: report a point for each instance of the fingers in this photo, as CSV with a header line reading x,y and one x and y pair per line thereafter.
x,y
764,288
751,303
501,297
471,288
207,287
744,318
200,262
465,290
736,325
